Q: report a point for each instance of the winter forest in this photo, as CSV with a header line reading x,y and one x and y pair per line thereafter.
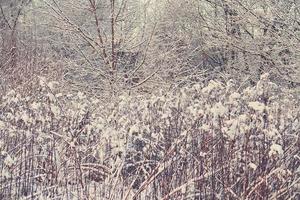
x,y
149,99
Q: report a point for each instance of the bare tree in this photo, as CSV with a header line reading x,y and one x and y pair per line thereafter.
x,y
109,41
239,37
22,45
10,15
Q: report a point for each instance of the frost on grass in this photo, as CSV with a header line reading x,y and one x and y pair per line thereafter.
x,y
66,146
275,149
213,85
253,166
218,109
234,97
8,161
257,106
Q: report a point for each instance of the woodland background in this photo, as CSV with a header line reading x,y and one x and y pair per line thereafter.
x,y
149,99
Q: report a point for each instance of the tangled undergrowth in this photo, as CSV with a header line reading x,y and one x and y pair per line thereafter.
x,y
215,142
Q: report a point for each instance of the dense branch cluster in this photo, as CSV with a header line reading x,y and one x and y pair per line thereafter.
x,y
219,140
149,99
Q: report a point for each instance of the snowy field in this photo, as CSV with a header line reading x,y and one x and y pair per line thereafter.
x,y
201,142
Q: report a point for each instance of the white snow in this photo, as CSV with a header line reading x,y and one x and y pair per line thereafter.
x,y
55,110
35,106
8,161
257,106
25,117
211,86
205,127
134,129
2,124
271,132
275,149
42,81
234,96
253,166
218,109
52,84
81,95
243,118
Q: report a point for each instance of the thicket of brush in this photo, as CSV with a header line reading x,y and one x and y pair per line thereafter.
x,y
221,141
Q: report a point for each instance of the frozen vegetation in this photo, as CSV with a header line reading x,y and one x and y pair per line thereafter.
x,y
214,141
149,99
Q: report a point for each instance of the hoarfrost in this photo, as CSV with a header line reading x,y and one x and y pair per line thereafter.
x,y
253,166
81,95
205,127
55,110
42,81
264,77
211,86
2,125
25,117
275,149
58,95
257,106
5,173
234,96
271,132
218,109
35,106
233,129
8,161
243,118
134,129
52,85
